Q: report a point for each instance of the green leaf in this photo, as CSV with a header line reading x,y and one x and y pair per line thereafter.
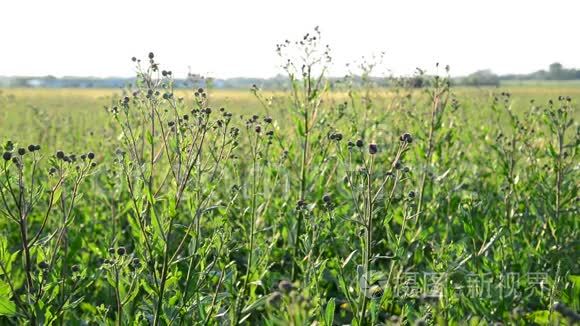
x,y
7,307
540,317
5,290
149,138
329,315
552,151
299,126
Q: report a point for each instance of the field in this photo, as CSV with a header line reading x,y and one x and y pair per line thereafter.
x,y
359,205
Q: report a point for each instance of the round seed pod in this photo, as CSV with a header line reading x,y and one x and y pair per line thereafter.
x,y
285,286
407,138
373,149
274,298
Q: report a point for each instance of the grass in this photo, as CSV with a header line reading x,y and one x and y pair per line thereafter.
x,y
350,206
542,83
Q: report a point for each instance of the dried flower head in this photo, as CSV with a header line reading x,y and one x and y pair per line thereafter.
x,y
285,286
373,149
121,251
407,138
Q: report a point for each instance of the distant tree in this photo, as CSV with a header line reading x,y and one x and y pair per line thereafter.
x,y
482,78
556,71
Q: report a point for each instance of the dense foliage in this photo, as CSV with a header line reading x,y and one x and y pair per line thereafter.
x,y
366,206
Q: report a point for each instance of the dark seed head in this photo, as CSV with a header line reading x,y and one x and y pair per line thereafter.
x,y
407,138
326,198
36,147
300,204
43,265
60,155
411,194
274,298
31,148
111,250
285,286
75,268
373,149
258,129
151,55
359,143
268,120
21,151
91,155
7,156
121,251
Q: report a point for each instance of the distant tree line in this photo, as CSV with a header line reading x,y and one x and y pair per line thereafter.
x,y
487,78
479,78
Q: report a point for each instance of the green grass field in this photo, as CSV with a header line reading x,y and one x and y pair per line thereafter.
x,y
366,206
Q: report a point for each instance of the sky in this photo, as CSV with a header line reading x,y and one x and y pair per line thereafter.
x,y
236,38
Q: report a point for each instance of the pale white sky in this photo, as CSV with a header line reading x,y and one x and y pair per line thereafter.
x,y
237,38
